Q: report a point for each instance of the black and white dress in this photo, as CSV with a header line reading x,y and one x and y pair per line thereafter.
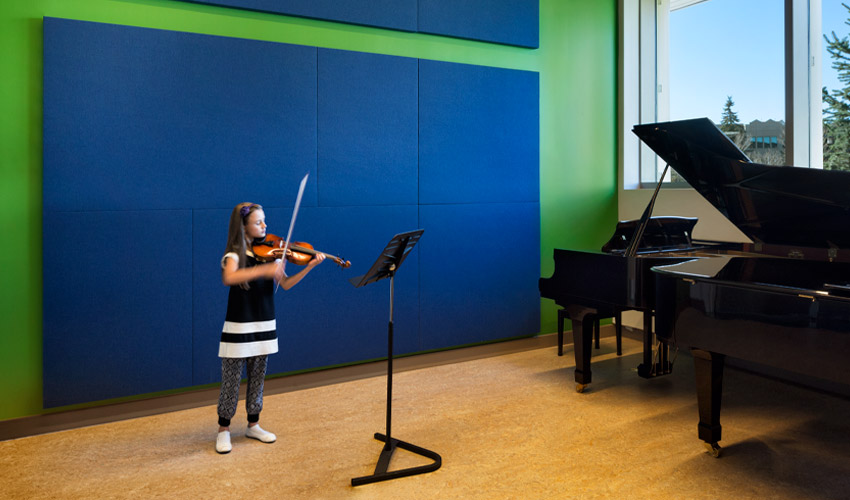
x,y
249,328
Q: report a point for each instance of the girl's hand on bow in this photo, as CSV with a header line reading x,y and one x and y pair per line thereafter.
x,y
279,275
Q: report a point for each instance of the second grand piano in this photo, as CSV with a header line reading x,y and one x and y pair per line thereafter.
x,y
786,308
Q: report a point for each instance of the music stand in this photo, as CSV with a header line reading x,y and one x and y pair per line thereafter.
x,y
385,266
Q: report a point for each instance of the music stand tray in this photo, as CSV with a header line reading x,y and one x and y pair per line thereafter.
x,y
386,266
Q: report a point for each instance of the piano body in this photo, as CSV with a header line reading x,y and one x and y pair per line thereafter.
x,y
786,305
594,285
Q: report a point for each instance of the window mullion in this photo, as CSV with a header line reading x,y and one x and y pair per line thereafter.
x,y
803,127
815,95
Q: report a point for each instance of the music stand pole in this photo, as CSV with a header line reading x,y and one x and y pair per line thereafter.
x,y
386,266
390,358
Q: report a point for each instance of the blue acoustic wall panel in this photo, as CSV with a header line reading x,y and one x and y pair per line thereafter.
x,y
151,137
324,320
478,134
393,14
117,308
511,22
209,294
480,264
367,129
160,119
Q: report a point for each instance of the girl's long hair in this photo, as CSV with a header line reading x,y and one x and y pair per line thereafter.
x,y
236,233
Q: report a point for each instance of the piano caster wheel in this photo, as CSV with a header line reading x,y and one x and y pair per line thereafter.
x,y
712,449
581,387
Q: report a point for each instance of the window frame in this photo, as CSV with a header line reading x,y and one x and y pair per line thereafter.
x,y
644,76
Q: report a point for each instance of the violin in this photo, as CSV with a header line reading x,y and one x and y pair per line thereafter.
x,y
298,252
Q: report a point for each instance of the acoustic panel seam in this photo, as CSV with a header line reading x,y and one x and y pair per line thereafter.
x,y
192,300
418,197
318,132
496,202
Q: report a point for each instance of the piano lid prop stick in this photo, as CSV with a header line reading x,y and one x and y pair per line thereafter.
x,y
631,250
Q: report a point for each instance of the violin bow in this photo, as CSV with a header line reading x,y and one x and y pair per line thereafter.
x,y
292,223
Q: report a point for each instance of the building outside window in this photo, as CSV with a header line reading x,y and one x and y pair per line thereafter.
x,y
766,143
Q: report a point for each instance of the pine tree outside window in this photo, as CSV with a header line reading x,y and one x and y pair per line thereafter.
x,y
836,90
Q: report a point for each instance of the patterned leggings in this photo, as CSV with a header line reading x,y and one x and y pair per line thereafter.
x,y
231,376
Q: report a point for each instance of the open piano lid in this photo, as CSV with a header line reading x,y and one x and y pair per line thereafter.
x,y
774,205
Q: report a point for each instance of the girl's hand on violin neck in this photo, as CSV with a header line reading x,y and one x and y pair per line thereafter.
x,y
316,260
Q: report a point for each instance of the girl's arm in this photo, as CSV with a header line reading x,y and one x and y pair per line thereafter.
x,y
232,275
287,282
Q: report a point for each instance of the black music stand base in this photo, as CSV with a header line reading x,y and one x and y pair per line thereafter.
x,y
381,472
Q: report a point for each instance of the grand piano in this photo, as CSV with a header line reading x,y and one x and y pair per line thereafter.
x,y
590,286
785,303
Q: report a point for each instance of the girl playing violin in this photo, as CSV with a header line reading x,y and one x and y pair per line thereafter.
x,y
249,334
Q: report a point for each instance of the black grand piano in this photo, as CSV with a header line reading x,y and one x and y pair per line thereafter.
x,y
786,303
590,286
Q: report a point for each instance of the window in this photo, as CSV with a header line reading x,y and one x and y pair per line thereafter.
x,y
684,58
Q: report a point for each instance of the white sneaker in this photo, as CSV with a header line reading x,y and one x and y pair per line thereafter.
x,y
222,442
257,432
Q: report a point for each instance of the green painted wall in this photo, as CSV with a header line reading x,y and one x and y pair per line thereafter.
x,y
577,64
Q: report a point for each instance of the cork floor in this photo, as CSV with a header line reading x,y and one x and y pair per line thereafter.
x,y
509,426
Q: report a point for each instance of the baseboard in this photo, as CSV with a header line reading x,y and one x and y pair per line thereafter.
x,y
71,419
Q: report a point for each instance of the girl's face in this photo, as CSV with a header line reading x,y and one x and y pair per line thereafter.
x,y
255,225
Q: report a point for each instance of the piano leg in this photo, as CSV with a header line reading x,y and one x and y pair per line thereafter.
x,y
618,318
708,367
596,332
561,319
583,319
646,369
